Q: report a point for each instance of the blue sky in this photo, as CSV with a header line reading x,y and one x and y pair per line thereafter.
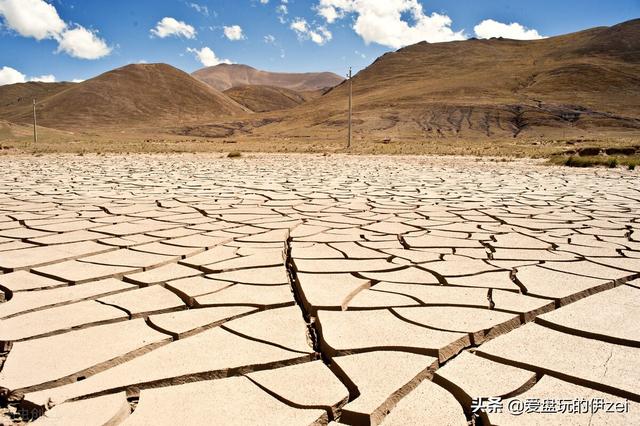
x,y
78,39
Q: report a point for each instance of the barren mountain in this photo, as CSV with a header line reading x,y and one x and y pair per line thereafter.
x,y
585,84
270,98
136,96
225,76
14,97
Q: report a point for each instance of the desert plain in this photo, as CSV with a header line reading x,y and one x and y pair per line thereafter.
x,y
309,289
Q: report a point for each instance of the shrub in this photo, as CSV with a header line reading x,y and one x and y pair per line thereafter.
x,y
234,154
575,162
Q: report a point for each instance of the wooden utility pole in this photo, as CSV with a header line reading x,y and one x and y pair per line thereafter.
x,y
35,124
350,105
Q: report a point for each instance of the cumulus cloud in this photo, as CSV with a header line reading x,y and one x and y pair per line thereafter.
x,y
207,57
393,23
40,20
490,28
32,18
269,39
318,34
233,33
329,13
10,75
77,80
168,27
80,42
47,78
300,25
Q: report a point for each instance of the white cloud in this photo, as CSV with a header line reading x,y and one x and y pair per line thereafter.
x,y
77,80
48,78
264,1
382,21
282,11
207,57
9,75
40,20
199,8
329,13
234,32
32,18
82,43
269,39
490,28
319,34
168,26
300,25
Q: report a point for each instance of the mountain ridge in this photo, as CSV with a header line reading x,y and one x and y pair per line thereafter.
x,y
584,84
226,76
132,95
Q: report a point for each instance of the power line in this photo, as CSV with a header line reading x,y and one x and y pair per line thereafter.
x,y
35,124
350,107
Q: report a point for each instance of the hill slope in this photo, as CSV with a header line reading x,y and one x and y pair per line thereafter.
x,y
269,98
134,95
225,76
585,84
15,97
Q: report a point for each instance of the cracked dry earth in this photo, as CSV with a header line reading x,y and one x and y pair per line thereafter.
x,y
303,290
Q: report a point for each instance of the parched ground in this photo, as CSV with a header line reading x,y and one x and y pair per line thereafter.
x,y
301,289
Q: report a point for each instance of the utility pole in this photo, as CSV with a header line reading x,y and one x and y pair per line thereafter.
x,y
35,129
350,105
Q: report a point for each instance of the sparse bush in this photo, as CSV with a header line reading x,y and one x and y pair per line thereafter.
x,y
234,154
610,162
575,162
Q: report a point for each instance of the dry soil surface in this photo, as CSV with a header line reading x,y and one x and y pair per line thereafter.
x,y
300,289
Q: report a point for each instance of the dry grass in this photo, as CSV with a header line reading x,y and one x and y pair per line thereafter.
x,y
18,139
612,162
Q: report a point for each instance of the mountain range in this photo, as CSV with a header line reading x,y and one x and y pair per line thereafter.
x,y
585,83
